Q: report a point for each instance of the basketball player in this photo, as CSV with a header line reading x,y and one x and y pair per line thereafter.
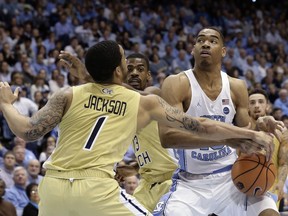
x,y
148,153
258,106
156,164
203,183
97,122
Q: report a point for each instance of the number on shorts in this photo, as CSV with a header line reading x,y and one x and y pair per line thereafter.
x,y
95,132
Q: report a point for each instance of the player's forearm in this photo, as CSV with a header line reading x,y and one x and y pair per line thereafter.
x,y
17,122
219,130
170,139
282,173
202,127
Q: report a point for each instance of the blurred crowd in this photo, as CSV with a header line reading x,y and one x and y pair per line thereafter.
x,y
32,33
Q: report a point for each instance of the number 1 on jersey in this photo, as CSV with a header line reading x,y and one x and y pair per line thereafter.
x,y
95,132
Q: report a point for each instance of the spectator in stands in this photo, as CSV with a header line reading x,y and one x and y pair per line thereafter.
x,y
7,168
31,209
63,29
33,172
181,61
282,101
38,85
24,105
157,66
16,194
38,97
5,72
47,146
6,207
131,183
19,153
29,155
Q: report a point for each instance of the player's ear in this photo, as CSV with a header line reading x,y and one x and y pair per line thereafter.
x,y
223,52
149,77
192,51
118,72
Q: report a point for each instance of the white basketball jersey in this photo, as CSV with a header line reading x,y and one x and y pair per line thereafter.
x,y
211,159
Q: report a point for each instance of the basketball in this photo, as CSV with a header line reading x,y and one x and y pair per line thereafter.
x,y
253,175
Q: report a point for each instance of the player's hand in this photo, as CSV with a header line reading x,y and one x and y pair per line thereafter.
x,y
123,171
6,94
246,146
285,134
270,125
73,64
265,143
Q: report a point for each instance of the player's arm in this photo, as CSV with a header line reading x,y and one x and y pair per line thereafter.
x,y
282,164
43,121
75,66
146,91
153,107
239,96
174,90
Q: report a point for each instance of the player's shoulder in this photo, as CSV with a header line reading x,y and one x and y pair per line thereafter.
x,y
152,90
236,84
236,81
176,80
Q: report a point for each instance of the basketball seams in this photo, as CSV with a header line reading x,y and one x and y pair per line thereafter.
x,y
274,174
256,179
255,174
246,171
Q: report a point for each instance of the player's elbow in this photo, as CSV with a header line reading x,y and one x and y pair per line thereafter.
x,y
167,140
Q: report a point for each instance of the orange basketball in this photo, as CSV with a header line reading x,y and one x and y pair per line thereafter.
x,y
253,175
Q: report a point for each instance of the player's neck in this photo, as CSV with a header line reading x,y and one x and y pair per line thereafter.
x,y
253,123
208,77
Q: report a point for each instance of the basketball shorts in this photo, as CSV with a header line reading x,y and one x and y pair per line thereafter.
x,y
206,194
148,194
85,194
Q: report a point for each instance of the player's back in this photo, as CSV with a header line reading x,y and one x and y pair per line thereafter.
x,y
154,160
97,129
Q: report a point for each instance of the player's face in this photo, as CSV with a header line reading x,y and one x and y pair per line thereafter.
x,y
208,48
138,73
257,106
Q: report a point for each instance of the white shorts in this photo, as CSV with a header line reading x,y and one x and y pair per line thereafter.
x,y
214,193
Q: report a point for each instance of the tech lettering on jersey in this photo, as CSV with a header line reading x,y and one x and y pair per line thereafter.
x,y
143,158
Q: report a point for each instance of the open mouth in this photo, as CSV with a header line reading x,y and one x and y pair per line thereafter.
x,y
205,53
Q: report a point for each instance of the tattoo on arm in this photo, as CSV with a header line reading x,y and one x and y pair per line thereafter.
x,y
48,117
175,115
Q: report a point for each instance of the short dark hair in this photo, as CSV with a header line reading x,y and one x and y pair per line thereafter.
x,y
29,189
8,153
259,91
141,56
215,29
101,60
